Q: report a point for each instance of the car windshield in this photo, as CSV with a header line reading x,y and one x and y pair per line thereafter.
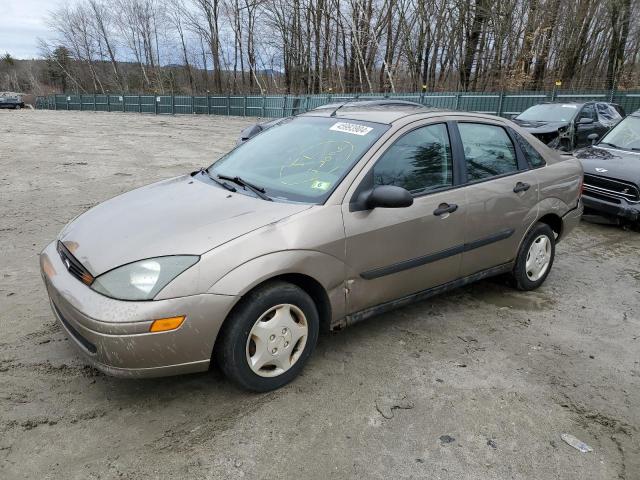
x,y
625,135
302,159
557,112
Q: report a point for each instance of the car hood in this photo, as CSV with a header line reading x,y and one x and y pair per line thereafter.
x,y
181,216
540,127
610,163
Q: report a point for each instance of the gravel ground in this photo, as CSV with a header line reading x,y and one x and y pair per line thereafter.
x,y
476,384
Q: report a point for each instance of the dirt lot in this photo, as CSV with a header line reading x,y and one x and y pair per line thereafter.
x,y
478,384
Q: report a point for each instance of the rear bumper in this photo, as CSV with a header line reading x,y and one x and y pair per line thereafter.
x,y
571,220
623,209
114,336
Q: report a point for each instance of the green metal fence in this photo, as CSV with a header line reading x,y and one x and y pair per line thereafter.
x,y
500,103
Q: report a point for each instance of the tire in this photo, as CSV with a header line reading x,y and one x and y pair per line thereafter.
x,y
260,327
531,277
17,107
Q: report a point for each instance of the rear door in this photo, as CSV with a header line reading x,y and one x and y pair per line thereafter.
x,y
394,252
501,195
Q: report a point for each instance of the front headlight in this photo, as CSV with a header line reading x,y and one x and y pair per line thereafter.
x,y
144,279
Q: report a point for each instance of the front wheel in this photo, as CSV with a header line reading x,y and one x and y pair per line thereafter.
x,y
535,258
268,337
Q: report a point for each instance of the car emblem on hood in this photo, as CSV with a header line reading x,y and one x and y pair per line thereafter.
x,y
601,170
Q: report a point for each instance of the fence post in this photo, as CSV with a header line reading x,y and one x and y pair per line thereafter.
x,y
500,101
193,106
612,94
173,104
124,99
244,107
80,97
55,102
284,105
208,104
108,103
264,99
139,105
155,104
228,105
68,98
94,102
457,101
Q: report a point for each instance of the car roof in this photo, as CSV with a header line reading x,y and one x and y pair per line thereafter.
x,y
565,103
386,113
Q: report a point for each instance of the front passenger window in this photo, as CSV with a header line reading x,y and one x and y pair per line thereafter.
x,y
488,151
420,161
588,111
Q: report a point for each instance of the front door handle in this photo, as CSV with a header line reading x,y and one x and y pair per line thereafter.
x,y
521,187
445,208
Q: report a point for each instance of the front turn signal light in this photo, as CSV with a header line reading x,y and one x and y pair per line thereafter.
x,y
166,324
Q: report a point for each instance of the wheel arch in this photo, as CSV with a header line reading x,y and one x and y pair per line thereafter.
x,y
319,274
555,223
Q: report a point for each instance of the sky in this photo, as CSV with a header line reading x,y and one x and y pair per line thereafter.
x,y
21,23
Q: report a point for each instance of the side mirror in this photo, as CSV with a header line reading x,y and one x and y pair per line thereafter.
x,y
585,121
593,137
388,196
249,132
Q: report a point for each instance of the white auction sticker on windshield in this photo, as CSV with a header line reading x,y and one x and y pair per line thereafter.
x,y
352,128
568,105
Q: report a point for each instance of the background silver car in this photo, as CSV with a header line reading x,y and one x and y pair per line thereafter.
x,y
319,222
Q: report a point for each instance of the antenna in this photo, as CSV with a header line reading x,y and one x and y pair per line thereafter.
x,y
333,114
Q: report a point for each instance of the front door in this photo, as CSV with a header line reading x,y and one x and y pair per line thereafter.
x,y
394,252
501,196
583,130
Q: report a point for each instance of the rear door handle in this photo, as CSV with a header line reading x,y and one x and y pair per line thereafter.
x,y
445,208
521,187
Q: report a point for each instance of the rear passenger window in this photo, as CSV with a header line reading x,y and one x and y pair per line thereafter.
x,y
607,114
534,159
419,161
488,151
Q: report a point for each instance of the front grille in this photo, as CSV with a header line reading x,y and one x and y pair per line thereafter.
x,y
611,189
73,265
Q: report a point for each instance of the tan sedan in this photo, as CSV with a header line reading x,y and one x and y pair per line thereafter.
x,y
319,222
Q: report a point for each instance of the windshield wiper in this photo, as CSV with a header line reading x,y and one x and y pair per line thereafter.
x,y
259,191
611,145
231,188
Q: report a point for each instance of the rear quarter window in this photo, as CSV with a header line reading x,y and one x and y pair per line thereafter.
x,y
534,159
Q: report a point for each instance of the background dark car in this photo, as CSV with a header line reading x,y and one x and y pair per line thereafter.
x,y
612,172
570,125
253,130
11,100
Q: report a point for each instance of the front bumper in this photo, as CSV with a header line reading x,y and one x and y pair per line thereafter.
x,y
619,208
113,335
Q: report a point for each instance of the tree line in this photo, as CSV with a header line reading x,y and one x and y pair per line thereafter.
x,y
320,46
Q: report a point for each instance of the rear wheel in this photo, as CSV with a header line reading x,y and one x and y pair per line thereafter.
x,y
17,107
535,258
268,337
